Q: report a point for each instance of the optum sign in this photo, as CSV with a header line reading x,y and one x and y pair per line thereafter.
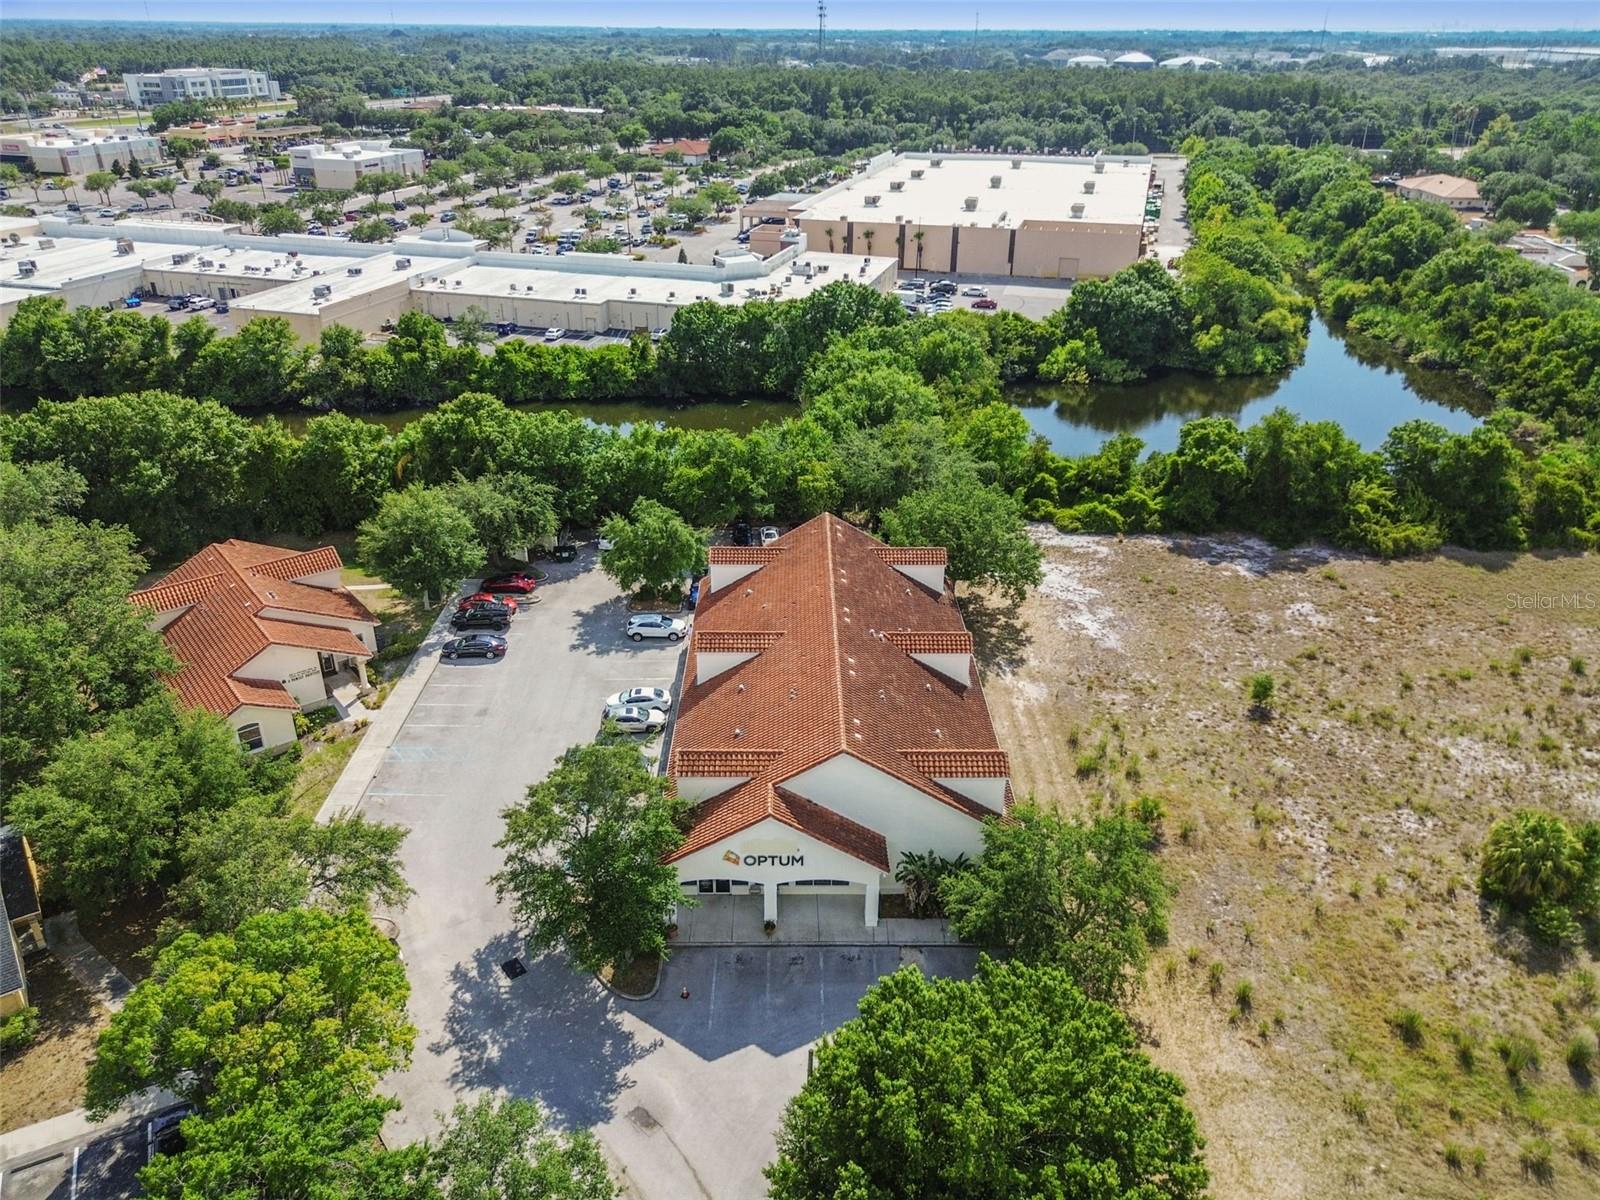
x,y
763,860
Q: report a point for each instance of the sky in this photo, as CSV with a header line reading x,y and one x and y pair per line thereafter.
x,y
1439,16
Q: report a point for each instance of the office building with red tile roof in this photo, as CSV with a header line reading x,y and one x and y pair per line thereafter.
x,y
260,633
831,719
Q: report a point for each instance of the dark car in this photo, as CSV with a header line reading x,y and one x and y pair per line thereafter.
x,y
692,600
943,288
741,533
565,552
475,645
514,582
497,617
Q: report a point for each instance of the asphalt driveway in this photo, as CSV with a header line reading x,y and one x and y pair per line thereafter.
x,y
684,1093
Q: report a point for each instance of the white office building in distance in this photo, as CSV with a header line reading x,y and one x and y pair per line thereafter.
x,y
198,83
339,165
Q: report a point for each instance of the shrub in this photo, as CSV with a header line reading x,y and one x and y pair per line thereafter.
x,y
1214,978
1518,1053
1580,1055
1530,857
1408,1028
1538,1160
18,1031
1355,1106
1262,690
1244,995
1454,1157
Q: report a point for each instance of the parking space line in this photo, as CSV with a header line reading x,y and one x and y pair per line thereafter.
x,y
445,704
437,724
711,1008
419,795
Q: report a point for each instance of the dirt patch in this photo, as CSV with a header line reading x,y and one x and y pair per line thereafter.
x,y
47,1078
637,979
1326,856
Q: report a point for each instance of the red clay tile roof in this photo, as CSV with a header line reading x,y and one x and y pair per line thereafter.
x,y
927,641
738,641
960,764
923,556
723,816
743,554
223,590
836,682
721,762
682,146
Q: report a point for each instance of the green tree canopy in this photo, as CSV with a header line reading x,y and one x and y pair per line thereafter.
x,y
981,528
506,1150
421,542
278,1034
1012,1084
584,870
652,548
1089,898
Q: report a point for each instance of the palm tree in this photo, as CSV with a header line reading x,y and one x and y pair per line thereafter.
x,y
828,233
868,235
917,238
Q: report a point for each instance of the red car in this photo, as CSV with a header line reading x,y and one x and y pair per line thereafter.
x,y
509,583
986,302
482,598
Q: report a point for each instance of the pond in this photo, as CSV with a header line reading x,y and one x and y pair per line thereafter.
x,y
1348,379
1353,381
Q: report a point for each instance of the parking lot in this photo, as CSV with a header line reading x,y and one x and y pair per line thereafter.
x,y
684,1093
103,1165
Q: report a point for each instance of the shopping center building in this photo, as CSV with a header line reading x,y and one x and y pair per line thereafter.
x,y
1025,216
831,721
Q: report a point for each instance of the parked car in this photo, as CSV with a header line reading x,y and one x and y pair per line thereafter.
x,y
657,625
631,718
447,216
554,334
986,302
974,289
692,600
943,288
222,308
769,534
475,645
177,304
563,552
200,303
643,697
108,212
478,599
163,1135
513,581
741,533
496,617
133,302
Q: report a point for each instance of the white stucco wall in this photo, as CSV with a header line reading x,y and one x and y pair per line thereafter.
x,y
775,841
297,668
724,574
957,667
908,819
277,724
987,790
710,664
929,575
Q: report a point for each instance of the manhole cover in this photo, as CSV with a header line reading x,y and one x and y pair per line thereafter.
x,y
641,1117
513,968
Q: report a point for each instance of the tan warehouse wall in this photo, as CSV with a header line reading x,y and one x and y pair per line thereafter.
x,y
1035,250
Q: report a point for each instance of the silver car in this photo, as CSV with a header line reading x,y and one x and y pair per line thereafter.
x,y
657,625
631,718
647,697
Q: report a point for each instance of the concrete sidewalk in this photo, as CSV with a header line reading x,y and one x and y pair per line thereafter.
x,y
803,920
97,974
351,787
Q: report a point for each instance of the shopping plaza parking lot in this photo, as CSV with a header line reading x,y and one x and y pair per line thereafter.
x,y
685,1093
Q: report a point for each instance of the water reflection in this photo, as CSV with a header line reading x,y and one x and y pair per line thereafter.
x,y
1354,381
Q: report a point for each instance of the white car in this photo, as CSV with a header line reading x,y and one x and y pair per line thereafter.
x,y
975,290
657,625
631,718
644,697
769,535
201,303
554,334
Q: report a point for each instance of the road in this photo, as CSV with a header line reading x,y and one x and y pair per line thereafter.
x,y
101,1164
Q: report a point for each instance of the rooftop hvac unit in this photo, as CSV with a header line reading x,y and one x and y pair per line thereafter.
x,y
26,268
871,201
994,181
970,204
727,288
672,295
1099,166
580,291
250,269
1088,187
352,270
124,246
179,259
897,185
938,162
1077,209
633,291
47,243
917,173
400,264
206,262
293,253
1016,164
322,291
455,283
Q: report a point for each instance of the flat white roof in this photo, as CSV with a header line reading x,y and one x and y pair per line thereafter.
x,y
229,262
1041,189
299,295
513,282
70,260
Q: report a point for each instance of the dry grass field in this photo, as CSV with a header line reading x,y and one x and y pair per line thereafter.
x,y
1338,1002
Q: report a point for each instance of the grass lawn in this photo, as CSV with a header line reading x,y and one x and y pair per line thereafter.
x,y
1325,860
319,771
46,1079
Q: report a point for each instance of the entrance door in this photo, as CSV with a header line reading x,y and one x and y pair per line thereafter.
x,y
329,665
